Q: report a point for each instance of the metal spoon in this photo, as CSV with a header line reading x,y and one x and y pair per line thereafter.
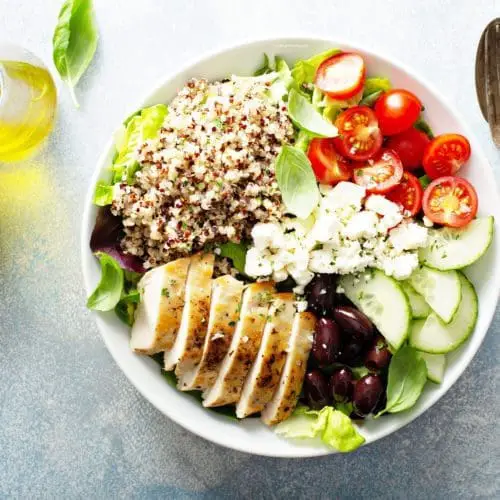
x,y
488,77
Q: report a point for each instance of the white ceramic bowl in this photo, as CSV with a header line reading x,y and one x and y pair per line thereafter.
x,y
250,435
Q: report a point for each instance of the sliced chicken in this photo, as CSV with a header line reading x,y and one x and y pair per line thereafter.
x,y
224,313
159,312
264,376
244,346
285,398
188,345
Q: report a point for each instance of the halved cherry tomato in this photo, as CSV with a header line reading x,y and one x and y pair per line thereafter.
x,y
410,146
359,135
451,201
341,76
445,155
397,110
382,174
329,167
408,194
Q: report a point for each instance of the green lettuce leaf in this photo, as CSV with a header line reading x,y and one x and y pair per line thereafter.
x,y
103,194
333,426
237,252
424,127
109,290
74,42
376,84
267,67
140,128
304,70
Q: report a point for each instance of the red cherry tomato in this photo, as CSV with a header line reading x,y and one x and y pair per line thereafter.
x,y
410,146
329,167
445,155
397,110
359,135
451,201
381,174
341,76
408,194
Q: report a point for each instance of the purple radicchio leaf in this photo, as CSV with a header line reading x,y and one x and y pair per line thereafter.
x,y
106,237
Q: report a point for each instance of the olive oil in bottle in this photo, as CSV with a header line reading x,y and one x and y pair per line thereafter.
x,y
28,101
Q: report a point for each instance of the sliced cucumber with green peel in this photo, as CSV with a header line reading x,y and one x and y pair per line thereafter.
x,y
436,363
418,305
384,302
455,248
440,289
436,337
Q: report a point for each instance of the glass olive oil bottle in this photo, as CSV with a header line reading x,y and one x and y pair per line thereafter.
x,y
28,101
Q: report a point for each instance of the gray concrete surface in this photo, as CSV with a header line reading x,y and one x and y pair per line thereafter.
x,y
71,426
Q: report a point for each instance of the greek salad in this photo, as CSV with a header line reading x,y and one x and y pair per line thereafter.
x,y
292,245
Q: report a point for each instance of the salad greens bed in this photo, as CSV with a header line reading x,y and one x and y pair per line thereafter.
x,y
421,319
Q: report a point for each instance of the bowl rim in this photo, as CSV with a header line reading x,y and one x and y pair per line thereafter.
x,y
164,80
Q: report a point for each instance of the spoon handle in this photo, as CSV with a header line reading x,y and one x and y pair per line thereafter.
x,y
492,78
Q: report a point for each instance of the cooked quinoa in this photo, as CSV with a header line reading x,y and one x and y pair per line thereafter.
x,y
209,176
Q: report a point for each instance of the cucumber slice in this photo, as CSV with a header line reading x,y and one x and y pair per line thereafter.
x,y
384,302
440,289
418,305
436,363
436,337
453,248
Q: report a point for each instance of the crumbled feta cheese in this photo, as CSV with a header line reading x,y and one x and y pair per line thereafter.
x,y
427,222
301,305
408,236
341,237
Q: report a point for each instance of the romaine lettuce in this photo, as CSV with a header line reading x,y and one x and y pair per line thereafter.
x,y
333,426
139,129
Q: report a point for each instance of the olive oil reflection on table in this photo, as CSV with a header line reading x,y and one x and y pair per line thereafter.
x,y
28,101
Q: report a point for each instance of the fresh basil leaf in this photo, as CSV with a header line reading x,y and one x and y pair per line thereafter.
x,y
266,67
305,117
407,377
126,311
75,41
370,99
109,290
425,180
296,181
237,252
376,84
424,127
103,194
304,70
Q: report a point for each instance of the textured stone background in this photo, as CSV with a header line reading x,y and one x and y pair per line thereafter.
x,y
70,424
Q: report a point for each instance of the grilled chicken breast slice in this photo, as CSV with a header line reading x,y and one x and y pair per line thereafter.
x,y
188,346
159,312
224,313
286,396
244,346
264,376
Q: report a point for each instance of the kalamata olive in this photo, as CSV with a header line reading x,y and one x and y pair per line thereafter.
x,y
378,355
350,351
327,341
382,402
316,390
353,322
341,385
366,394
320,294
